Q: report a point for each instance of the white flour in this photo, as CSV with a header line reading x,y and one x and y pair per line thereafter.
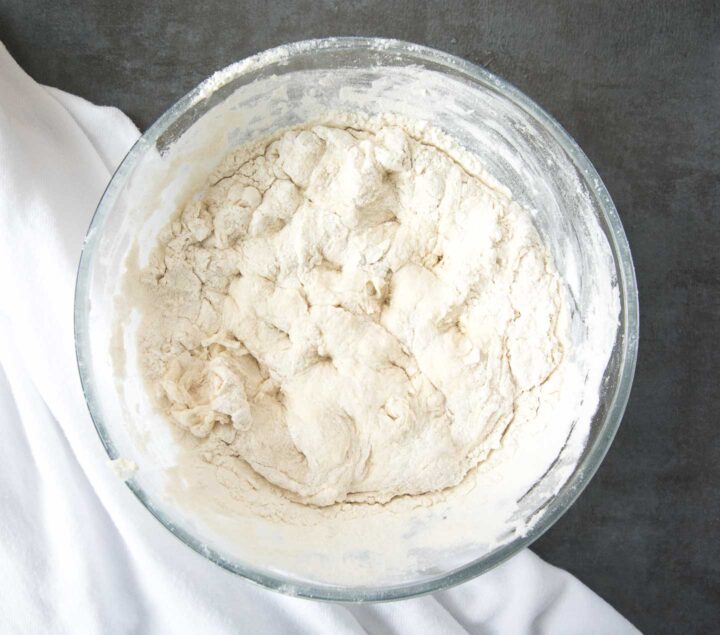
x,y
351,320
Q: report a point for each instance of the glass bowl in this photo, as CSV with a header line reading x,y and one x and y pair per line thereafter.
x,y
521,146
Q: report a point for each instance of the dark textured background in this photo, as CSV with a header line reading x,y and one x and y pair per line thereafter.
x,y
638,86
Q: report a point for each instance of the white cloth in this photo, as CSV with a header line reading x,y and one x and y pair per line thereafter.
x,y
78,553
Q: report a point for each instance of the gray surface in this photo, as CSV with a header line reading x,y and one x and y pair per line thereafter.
x,y
638,86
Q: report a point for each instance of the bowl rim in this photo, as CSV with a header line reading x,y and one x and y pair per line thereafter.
x,y
629,320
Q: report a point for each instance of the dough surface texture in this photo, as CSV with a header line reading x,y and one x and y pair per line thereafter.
x,y
351,314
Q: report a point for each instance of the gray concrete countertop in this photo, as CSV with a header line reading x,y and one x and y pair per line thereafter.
x,y
637,84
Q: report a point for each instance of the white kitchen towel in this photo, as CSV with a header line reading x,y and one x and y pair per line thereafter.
x,y
78,553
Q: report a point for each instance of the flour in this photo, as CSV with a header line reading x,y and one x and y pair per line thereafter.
x,y
351,315
124,468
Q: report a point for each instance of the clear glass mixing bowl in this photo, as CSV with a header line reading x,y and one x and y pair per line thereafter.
x,y
522,147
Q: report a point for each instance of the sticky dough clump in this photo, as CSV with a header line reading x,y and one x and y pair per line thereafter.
x,y
352,314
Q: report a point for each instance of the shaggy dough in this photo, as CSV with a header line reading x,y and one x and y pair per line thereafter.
x,y
351,313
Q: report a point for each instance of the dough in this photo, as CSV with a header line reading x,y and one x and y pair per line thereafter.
x,y
351,313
